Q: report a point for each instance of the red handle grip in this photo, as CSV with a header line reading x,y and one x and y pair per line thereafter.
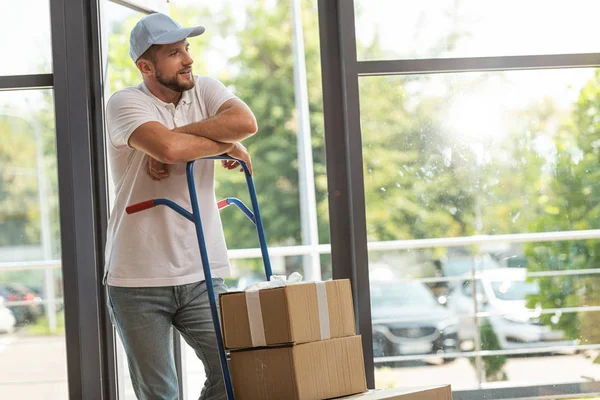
x,y
222,204
144,205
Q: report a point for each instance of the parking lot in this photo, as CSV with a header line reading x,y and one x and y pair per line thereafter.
x,y
35,368
521,371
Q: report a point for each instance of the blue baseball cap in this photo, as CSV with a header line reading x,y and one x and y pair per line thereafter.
x,y
157,29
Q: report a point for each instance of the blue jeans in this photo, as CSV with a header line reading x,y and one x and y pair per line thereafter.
x,y
145,317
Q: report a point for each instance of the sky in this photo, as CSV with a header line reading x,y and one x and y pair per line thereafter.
x,y
508,27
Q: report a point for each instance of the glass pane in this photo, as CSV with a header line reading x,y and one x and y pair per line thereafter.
x,y
25,39
239,51
535,337
457,155
480,153
415,335
120,72
32,336
431,319
393,29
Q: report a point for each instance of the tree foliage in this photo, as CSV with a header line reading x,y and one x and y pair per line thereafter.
x,y
420,182
569,199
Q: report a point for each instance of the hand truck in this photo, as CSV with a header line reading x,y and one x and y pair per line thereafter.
x,y
194,217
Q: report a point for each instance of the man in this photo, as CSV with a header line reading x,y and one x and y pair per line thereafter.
x,y
153,268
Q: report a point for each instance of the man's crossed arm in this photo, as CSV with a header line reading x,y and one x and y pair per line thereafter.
x,y
217,135
233,122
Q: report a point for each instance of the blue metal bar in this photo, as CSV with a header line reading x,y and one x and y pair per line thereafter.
x,y
239,204
208,278
194,217
222,157
259,225
175,207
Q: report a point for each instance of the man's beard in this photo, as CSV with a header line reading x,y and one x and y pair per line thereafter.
x,y
173,82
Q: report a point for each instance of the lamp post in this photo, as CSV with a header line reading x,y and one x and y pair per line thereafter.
x,y
306,179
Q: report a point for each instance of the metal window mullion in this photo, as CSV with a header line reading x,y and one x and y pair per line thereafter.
x,y
543,311
545,274
18,82
464,241
487,353
470,64
412,244
77,99
477,338
344,162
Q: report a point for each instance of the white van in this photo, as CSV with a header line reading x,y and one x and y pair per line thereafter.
x,y
503,292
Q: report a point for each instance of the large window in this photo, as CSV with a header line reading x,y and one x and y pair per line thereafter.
x,y
238,50
478,186
470,188
33,362
450,160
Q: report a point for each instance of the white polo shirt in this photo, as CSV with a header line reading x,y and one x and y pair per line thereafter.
x,y
158,247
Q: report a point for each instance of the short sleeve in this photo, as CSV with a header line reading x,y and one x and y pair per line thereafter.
x,y
125,112
214,94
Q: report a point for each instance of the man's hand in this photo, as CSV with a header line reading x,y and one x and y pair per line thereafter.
x,y
239,152
229,164
156,169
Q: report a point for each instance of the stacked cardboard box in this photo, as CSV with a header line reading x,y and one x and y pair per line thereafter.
x,y
294,342
419,393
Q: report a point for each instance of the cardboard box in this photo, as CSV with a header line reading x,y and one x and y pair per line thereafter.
x,y
288,314
309,371
416,393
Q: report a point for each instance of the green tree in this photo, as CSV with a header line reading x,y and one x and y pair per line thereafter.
x,y
492,365
260,75
265,64
20,217
414,187
569,200
19,210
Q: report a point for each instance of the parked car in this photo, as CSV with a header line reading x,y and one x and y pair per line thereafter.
x,y
7,319
457,266
407,320
24,313
503,293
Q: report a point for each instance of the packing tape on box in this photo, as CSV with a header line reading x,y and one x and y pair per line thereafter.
x,y
323,310
255,318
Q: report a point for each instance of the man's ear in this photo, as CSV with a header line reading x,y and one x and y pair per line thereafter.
x,y
145,66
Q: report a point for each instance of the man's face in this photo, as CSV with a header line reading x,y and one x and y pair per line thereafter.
x,y
173,66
